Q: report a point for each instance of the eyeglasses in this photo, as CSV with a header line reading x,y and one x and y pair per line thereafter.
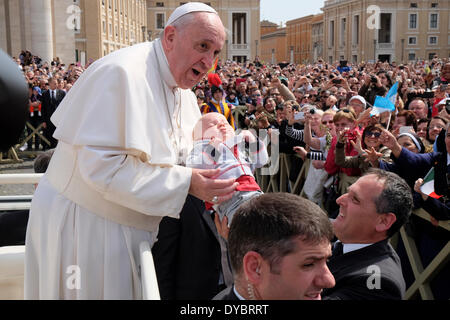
x,y
256,95
375,134
328,122
435,126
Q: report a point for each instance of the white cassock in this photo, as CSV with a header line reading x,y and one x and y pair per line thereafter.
x,y
113,176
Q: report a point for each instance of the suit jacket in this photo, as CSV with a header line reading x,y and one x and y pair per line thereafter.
x,y
353,278
227,294
187,254
49,106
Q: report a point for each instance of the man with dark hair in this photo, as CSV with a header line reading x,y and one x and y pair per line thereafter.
x,y
364,264
278,245
50,102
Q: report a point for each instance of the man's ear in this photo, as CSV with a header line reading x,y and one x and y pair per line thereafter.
x,y
252,263
385,221
169,37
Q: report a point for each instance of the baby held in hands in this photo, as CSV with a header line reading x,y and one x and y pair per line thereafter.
x,y
216,146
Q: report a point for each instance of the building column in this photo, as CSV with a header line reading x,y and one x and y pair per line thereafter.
x,y
41,29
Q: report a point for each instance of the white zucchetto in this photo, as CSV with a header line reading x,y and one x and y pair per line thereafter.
x,y
189,8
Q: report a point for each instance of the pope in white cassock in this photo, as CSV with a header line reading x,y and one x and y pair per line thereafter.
x,y
123,130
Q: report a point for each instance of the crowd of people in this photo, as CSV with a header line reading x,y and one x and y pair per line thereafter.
x,y
358,164
322,112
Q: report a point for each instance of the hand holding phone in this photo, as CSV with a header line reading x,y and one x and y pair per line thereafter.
x,y
406,129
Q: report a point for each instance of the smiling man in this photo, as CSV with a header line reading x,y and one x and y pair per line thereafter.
x,y
123,132
279,244
364,264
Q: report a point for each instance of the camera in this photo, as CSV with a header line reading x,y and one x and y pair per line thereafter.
x,y
447,106
350,135
251,117
373,79
336,81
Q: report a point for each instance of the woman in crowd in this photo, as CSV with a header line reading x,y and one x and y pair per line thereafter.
x,y
368,143
345,121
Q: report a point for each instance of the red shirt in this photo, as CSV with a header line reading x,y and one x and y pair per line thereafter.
x,y
330,164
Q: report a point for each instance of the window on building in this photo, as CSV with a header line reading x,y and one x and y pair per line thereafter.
x,y
431,56
331,35
160,20
354,58
343,33
355,38
434,5
104,27
160,4
413,5
433,21
411,56
413,21
432,40
412,40
384,33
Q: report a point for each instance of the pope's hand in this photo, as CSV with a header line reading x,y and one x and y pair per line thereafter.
x,y
205,186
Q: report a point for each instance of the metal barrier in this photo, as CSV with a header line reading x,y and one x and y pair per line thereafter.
x,y
14,153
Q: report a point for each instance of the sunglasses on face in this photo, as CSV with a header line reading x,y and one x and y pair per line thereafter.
x,y
375,134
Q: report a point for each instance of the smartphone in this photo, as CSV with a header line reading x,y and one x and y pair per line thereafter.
x,y
427,95
336,81
407,129
299,116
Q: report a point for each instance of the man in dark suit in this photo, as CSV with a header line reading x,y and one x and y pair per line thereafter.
x,y
364,264
50,101
279,244
187,255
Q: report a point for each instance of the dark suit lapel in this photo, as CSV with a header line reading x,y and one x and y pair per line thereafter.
x,y
206,216
346,262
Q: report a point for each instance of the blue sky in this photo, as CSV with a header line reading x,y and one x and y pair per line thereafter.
x,y
277,11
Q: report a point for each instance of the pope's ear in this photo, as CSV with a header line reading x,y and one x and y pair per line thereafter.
x,y
169,37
